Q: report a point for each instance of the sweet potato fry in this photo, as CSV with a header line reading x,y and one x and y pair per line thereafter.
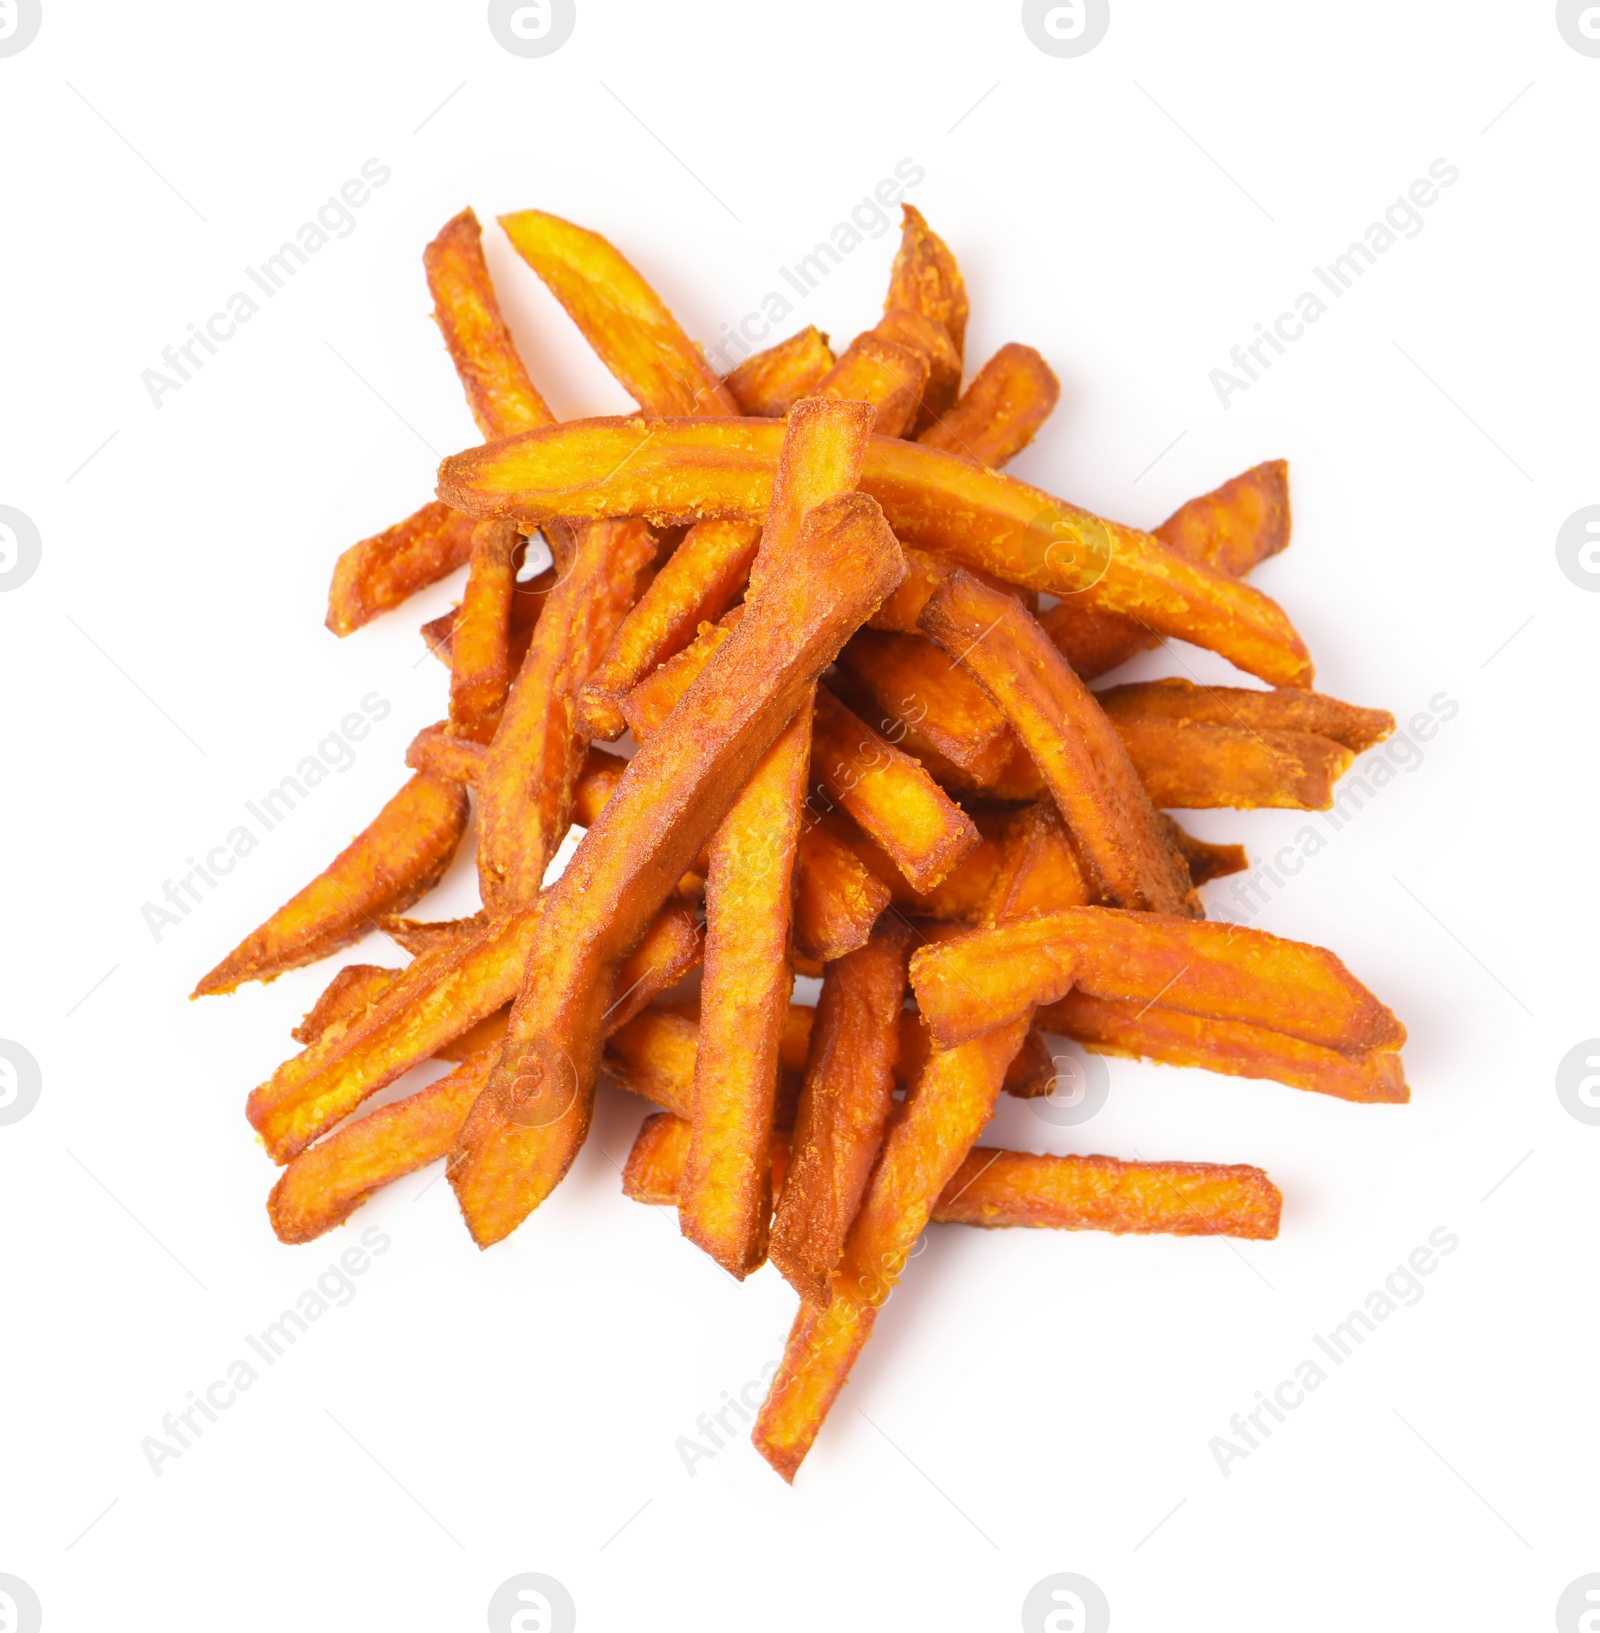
x,y
1223,971
844,1107
527,602
436,750
923,697
347,994
1236,1048
769,383
931,341
896,803
749,888
420,937
597,782
960,895
1285,710
1196,766
890,376
685,470
700,581
322,1186
837,897
499,393
525,793
1032,1071
400,855
1039,870
377,574
1120,845
1010,397
480,637
1232,528
620,315
1206,861
926,1143
998,1189
926,279
435,1000
532,1117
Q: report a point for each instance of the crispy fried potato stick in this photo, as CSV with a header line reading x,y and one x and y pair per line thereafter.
x,y
532,1117
700,581
1206,861
928,700
926,1144
1246,710
620,315
926,279
844,1107
960,895
1120,844
837,897
525,793
890,376
1039,870
347,994
1010,397
377,574
399,856
441,754
480,636
896,803
1232,528
321,1187
1194,765
499,393
1223,971
685,470
1032,1071
527,602
1236,1048
769,383
999,1189
931,341
749,887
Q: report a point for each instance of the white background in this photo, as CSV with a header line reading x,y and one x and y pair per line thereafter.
x,y
1032,1403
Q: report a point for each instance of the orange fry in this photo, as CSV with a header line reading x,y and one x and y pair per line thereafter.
x,y
377,574
1120,844
1192,765
924,1147
844,1106
499,393
525,793
1032,1071
890,376
1010,397
436,750
322,1186
896,803
700,581
1224,971
749,887
1039,870
999,1189
347,994
1232,528
1246,710
1237,1048
620,315
480,636
769,383
837,897
688,469
534,1114
926,279
399,856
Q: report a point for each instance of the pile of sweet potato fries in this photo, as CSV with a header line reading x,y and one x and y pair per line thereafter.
x,y
853,659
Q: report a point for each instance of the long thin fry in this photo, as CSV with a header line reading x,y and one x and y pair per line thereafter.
x,y
924,1147
1227,972
1246,710
926,279
844,1107
771,382
883,372
749,886
534,1114
377,574
1010,397
837,897
400,855
1114,827
347,994
1192,765
480,637
688,469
